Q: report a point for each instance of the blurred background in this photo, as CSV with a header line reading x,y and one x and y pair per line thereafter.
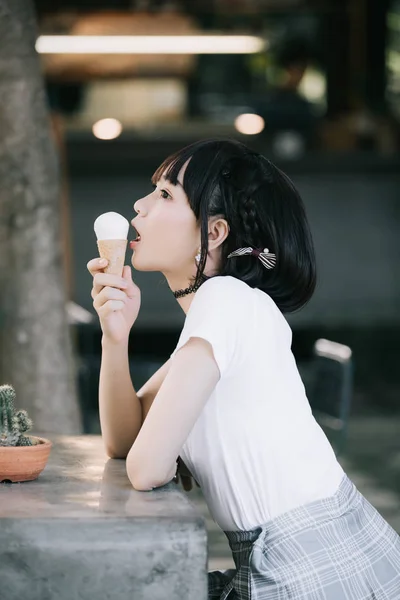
x,y
312,84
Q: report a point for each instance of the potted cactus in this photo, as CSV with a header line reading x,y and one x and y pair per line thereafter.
x,y
22,457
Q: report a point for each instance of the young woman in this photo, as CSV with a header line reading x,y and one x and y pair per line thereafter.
x,y
228,230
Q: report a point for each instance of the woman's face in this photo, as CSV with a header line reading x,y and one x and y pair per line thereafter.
x,y
169,234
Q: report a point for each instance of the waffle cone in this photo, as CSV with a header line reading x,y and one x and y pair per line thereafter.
x,y
114,252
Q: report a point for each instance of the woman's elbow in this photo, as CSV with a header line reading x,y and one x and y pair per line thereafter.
x,y
140,484
113,452
142,479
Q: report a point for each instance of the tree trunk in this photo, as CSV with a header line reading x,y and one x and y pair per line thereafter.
x,y
35,343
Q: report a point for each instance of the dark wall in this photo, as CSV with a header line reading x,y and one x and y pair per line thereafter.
x,y
355,220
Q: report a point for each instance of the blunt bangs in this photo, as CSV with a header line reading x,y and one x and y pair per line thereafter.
x,y
172,165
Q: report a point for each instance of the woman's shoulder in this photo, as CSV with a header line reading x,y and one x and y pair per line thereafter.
x,y
228,289
225,284
228,295
220,297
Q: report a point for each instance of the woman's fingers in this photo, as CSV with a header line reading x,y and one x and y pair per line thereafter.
x,y
132,290
101,280
187,483
108,294
109,307
96,268
96,264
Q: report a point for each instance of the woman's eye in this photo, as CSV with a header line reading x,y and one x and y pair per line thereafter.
x,y
165,194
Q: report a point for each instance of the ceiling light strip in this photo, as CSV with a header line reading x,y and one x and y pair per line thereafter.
x,y
150,44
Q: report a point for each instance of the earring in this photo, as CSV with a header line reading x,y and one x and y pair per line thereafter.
x,y
198,257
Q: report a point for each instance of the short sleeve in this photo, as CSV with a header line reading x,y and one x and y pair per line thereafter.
x,y
217,315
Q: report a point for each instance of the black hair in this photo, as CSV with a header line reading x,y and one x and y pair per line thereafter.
x,y
263,210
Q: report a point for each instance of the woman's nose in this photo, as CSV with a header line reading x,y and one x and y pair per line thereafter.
x,y
142,205
138,206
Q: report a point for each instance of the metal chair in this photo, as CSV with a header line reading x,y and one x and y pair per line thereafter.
x,y
331,390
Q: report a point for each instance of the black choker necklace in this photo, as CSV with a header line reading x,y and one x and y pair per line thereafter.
x,y
188,290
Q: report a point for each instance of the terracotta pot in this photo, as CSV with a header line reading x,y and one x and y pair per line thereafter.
x,y
24,463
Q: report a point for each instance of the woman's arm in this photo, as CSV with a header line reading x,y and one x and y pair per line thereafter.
x,y
119,407
117,302
191,378
122,410
149,390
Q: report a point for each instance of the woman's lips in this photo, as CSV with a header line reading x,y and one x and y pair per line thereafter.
x,y
133,242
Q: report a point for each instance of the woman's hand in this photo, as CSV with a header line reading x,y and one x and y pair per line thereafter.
x,y
185,476
115,299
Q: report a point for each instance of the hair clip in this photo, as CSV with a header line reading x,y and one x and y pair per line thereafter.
x,y
267,258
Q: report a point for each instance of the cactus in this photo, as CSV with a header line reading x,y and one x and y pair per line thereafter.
x,y
13,424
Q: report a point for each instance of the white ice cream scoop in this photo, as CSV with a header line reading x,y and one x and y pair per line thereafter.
x,y
111,226
111,230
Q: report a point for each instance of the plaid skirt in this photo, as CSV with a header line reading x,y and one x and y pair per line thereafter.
x,y
337,548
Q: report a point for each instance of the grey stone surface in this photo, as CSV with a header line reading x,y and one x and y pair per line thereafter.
x,y
80,531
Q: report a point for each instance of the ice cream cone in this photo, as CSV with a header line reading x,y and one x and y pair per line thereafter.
x,y
114,252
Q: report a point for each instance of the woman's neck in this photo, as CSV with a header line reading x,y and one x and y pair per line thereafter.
x,y
186,289
185,302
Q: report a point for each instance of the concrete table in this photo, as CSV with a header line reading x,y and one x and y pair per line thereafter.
x,y
80,531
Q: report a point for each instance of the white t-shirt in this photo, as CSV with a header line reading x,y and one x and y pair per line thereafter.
x,y
256,449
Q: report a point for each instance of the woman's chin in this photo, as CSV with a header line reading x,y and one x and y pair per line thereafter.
x,y
141,265
135,262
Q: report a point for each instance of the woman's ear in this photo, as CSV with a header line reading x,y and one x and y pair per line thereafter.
x,y
218,231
